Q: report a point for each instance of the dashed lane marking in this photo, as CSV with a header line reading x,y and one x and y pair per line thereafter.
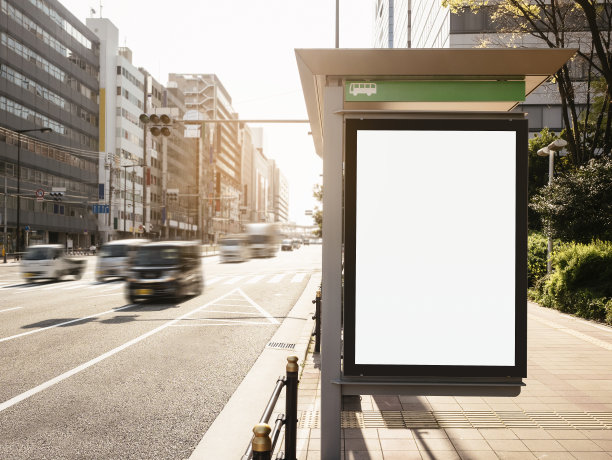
x,y
214,280
255,279
276,278
234,280
10,309
17,399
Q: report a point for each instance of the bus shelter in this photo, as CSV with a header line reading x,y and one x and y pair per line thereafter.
x,y
424,219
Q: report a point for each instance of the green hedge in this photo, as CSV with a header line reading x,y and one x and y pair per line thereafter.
x,y
537,246
581,282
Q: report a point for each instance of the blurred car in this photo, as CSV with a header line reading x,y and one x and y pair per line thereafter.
x,y
287,245
113,258
296,243
165,269
306,242
234,248
49,261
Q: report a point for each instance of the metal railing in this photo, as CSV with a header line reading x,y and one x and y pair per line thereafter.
x,y
317,318
264,437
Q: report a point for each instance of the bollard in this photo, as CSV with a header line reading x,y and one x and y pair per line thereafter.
x,y
317,318
262,444
291,400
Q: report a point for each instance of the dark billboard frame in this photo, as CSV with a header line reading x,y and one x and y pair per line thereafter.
x,y
350,368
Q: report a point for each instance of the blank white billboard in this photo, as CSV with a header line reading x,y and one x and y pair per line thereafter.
x,y
435,247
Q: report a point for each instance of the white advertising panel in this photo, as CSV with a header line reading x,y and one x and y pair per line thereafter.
x,y
432,241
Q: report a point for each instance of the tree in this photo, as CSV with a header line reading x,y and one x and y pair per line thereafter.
x,y
317,215
577,206
585,24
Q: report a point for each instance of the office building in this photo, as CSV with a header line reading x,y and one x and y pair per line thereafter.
x,y
49,78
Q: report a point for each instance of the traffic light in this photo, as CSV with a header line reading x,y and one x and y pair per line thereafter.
x,y
56,196
172,194
162,123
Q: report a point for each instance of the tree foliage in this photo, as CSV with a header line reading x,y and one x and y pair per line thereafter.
x,y
585,82
577,206
317,215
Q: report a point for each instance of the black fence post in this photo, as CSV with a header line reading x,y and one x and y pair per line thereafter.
x,y
317,318
291,402
261,443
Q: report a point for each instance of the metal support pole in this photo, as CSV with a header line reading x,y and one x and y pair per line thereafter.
x,y
331,315
133,206
291,401
5,245
18,191
262,444
551,168
124,198
337,23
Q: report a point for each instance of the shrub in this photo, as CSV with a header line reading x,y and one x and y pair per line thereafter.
x,y
537,246
581,281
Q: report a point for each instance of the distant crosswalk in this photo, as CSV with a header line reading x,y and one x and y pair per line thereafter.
x,y
91,286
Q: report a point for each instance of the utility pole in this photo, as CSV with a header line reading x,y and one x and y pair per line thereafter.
x,y
133,205
4,241
110,196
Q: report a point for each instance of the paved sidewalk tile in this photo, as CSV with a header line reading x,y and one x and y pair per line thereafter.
x,y
569,375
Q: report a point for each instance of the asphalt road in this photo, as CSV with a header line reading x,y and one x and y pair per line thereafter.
x,y
84,374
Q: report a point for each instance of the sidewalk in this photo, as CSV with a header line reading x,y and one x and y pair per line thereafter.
x,y
564,412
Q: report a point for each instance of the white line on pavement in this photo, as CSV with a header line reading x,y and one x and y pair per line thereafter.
x,y
276,278
214,280
298,277
9,309
271,318
255,279
5,339
11,402
234,280
102,295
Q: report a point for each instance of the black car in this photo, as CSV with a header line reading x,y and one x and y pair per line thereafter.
x,y
165,269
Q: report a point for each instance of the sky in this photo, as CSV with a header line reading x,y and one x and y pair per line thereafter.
x,y
249,45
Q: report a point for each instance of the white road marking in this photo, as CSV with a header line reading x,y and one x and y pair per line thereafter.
x,y
74,286
298,277
255,279
224,322
11,402
10,309
101,295
271,318
276,278
5,339
234,280
230,312
214,280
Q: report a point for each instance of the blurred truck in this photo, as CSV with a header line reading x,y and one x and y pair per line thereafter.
x,y
50,262
264,239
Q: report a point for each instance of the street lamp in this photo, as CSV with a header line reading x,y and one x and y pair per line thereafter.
x,y
549,150
19,133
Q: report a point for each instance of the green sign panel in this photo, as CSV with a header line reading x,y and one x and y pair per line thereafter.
x,y
434,91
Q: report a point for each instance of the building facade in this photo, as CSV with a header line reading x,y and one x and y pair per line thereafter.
x,y
280,193
206,94
121,163
49,78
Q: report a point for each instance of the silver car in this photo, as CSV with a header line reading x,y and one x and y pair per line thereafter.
x,y
113,258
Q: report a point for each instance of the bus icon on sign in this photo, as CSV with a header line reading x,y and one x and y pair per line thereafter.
x,y
362,88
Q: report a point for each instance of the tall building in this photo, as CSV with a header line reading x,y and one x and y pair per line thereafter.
x,y
206,94
121,161
433,26
280,194
49,78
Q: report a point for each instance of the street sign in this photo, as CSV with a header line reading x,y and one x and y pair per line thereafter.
x,y
27,228
100,208
40,194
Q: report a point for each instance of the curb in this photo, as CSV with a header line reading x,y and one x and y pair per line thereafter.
x,y
243,410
